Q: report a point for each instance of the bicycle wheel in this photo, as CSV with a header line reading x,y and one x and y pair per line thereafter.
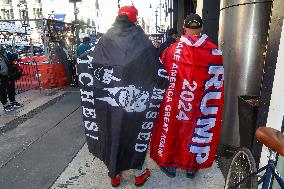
x,y
242,166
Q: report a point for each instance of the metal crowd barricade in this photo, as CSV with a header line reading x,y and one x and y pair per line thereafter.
x,y
31,76
39,73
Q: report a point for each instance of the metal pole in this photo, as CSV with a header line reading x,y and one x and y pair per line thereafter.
x,y
156,20
170,5
37,74
13,43
76,24
160,12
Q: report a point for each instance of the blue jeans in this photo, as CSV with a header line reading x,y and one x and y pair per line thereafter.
x,y
173,170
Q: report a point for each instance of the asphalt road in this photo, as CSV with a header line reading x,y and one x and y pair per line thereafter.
x,y
37,151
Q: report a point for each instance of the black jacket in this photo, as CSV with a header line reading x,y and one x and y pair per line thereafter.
x,y
13,71
165,45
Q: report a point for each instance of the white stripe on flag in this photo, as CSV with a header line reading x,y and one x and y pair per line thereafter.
x,y
201,40
185,40
216,52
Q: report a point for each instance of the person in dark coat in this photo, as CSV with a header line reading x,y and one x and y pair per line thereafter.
x,y
125,84
12,56
62,53
7,82
83,47
172,37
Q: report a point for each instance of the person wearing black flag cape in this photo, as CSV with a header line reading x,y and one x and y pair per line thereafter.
x,y
122,85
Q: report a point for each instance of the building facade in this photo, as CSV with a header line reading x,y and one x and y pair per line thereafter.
x,y
30,13
6,10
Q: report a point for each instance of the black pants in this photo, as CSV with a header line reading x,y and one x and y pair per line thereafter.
x,y
7,87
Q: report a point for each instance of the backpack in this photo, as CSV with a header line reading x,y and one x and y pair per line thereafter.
x,y
3,66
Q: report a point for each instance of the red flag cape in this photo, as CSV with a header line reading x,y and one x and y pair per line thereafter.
x,y
187,129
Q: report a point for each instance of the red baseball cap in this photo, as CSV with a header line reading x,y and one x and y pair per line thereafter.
x,y
130,11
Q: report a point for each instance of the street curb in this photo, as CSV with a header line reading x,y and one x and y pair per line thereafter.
x,y
21,119
68,165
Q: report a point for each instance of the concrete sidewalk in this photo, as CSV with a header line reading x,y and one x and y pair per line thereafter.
x,y
87,172
84,171
33,101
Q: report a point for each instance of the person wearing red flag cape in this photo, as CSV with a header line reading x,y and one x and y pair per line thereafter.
x,y
187,129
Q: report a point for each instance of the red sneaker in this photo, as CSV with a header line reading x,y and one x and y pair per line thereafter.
x,y
115,182
140,180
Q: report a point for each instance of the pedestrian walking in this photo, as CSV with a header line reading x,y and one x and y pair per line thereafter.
x,y
63,55
172,38
12,56
8,75
122,85
83,47
188,126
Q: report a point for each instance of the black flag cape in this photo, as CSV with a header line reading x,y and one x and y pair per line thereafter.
x,y
122,85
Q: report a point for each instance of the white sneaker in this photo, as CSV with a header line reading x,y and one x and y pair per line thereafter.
x,y
16,104
8,108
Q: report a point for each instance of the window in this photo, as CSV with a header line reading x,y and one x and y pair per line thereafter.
x,y
38,13
11,14
6,14
7,1
22,2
